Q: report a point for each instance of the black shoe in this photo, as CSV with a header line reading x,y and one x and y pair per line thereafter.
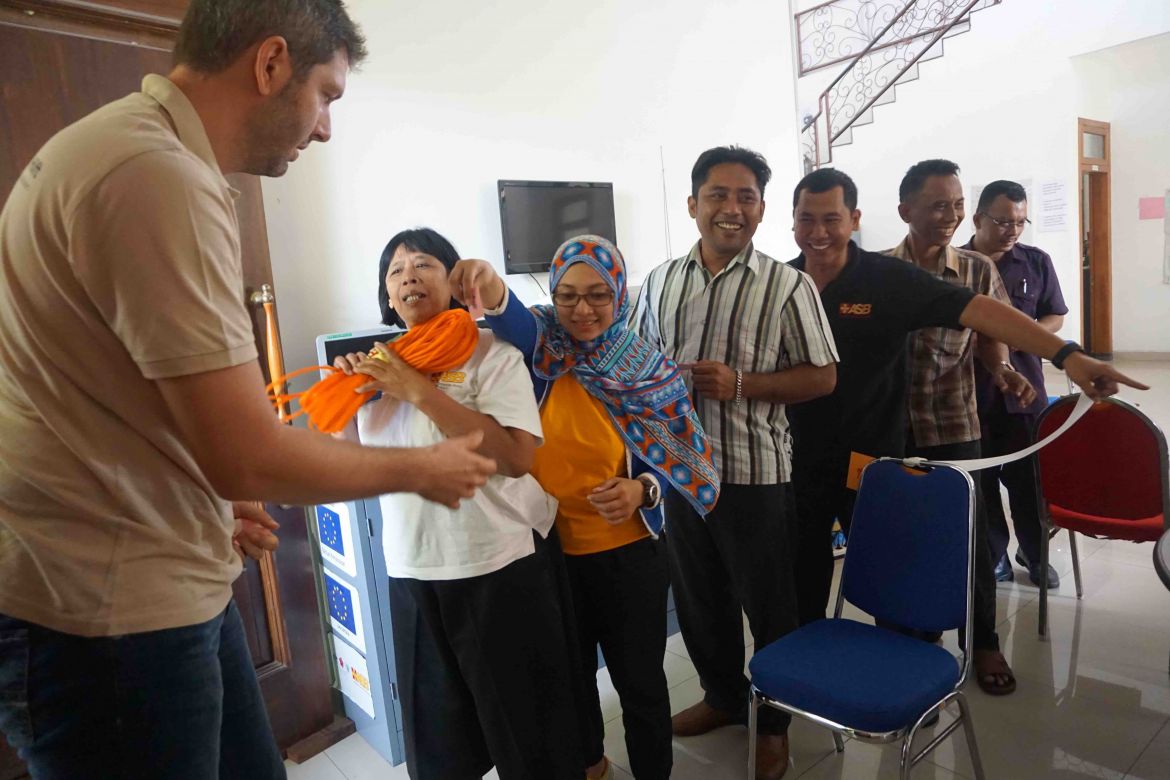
x,y
1003,570
1034,571
1034,576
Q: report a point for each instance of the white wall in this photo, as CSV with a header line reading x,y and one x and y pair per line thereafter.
x,y
1129,87
1003,103
456,95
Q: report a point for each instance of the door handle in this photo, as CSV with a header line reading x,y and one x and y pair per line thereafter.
x,y
265,298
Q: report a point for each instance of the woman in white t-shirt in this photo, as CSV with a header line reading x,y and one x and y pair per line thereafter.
x,y
479,633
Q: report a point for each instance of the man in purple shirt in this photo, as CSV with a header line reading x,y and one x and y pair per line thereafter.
x,y
1028,274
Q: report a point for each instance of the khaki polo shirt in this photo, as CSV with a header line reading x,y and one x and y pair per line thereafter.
x,y
119,265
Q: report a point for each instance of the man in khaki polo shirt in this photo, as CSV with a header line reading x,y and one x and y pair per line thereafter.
x,y
132,406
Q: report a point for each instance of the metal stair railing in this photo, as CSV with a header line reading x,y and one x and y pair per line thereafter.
x,y
892,55
834,32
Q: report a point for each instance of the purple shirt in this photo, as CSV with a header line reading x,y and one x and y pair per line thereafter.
x,y
1030,278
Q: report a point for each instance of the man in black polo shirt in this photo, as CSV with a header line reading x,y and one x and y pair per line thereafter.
x,y
1030,279
873,303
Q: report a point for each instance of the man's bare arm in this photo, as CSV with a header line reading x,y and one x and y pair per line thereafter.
x,y
1006,324
247,454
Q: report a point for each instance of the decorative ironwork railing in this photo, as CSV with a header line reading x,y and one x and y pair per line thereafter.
x,y
833,32
908,34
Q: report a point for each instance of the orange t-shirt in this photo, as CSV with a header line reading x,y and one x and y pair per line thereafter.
x,y
581,450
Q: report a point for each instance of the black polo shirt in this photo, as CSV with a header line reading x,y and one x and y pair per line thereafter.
x,y
873,306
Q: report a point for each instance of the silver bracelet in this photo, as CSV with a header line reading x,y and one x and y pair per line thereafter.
x,y
738,386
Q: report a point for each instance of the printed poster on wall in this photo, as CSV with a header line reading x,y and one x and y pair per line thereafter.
x,y
353,675
1052,207
345,609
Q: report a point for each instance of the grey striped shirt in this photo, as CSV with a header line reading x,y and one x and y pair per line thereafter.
x,y
758,315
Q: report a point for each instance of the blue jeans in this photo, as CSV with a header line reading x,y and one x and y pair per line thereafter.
x,y
182,703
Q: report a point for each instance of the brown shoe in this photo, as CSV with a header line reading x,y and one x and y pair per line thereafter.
x,y
699,719
771,756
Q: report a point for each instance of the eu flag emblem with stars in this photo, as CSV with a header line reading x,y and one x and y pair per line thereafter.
x,y
329,528
340,603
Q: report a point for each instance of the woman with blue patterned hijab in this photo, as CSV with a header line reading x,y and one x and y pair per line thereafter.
x,y
640,387
619,430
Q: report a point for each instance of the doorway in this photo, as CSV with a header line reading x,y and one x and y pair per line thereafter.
x,y
1096,260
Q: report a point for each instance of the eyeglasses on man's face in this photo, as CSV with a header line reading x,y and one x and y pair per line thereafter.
x,y
596,298
1008,224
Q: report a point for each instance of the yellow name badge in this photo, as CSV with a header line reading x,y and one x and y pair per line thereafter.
x,y
857,462
452,377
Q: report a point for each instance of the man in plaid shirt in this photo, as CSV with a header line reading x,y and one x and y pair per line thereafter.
x,y
943,418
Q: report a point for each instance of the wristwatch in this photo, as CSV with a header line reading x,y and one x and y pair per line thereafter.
x,y
651,493
1063,353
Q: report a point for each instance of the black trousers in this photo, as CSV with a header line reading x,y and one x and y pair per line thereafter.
x,y
983,619
484,674
1005,433
619,599
738,558
821,498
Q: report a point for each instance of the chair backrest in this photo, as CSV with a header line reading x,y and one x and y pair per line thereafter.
x,y
1111,463
907,561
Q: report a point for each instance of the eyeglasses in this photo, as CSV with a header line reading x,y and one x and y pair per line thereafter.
x,y
1004,224
596,299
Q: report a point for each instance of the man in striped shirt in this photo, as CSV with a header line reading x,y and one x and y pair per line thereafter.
x,y
752,332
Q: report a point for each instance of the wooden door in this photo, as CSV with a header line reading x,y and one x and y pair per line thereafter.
x,y
1096,239
59,61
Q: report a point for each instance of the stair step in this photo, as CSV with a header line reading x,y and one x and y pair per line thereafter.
x,y
865,118
845,139
910,75
959,28
933,53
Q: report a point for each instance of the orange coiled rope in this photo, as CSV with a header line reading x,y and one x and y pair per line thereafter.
x,y
439,344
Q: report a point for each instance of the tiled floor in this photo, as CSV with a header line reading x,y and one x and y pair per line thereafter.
x,y
1093,701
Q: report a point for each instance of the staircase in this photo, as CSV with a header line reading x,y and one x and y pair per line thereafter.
x,y
881,43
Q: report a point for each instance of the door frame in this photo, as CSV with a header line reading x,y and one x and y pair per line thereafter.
x,y
1097,328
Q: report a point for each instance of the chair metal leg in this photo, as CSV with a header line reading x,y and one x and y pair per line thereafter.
x,y
838,742
969,731
1044,583
1072,541
753,718
906,765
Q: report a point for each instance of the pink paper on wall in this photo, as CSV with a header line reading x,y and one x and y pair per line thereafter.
x,y
1151,208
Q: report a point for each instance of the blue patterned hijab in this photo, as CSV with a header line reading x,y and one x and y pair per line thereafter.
x,y
640,387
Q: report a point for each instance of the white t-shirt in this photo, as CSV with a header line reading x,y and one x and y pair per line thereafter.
x,y
427,541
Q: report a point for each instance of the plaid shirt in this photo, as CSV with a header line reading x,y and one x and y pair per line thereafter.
x,y
942,365
758,315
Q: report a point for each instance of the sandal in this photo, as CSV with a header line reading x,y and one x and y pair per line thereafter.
x,y
993,674
602,770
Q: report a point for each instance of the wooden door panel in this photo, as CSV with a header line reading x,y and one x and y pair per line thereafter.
x,y
61,62
51,80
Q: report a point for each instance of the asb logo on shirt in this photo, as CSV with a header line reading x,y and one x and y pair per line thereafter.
x,y
855,309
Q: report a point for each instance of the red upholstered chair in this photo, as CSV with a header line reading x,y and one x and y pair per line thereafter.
x,y
1108,476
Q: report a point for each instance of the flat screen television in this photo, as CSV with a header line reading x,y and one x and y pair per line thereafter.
x,y
537,217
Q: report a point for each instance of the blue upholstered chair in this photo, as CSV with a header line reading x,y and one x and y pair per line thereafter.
x,y
909,563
